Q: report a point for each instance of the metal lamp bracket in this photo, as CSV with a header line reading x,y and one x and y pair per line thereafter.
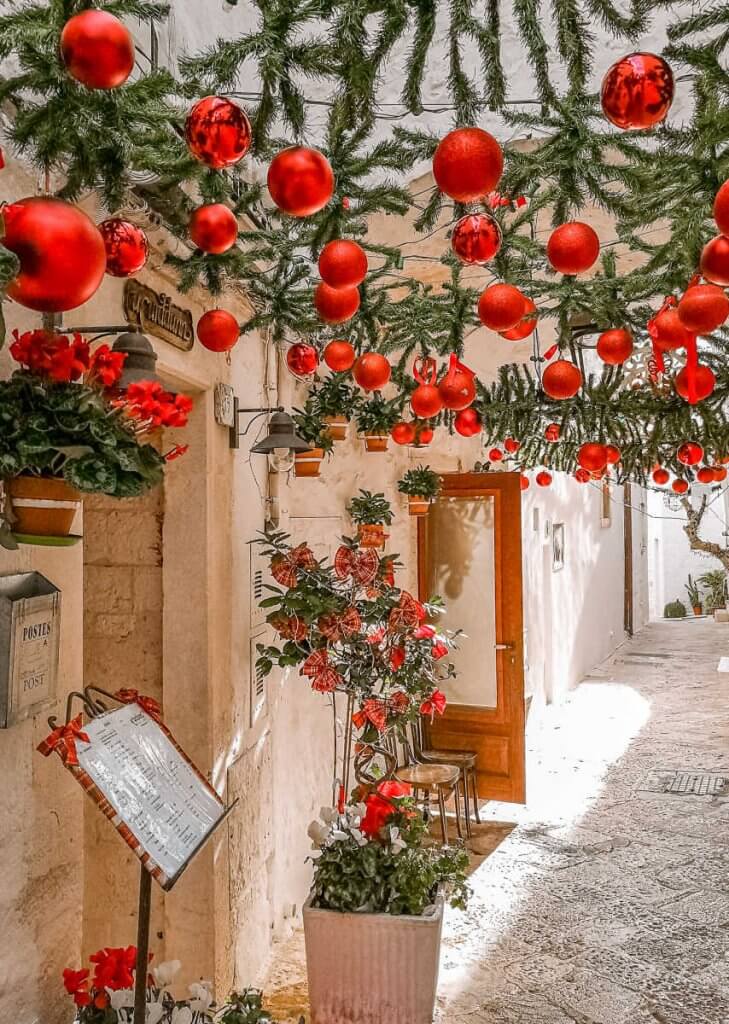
x,y
235,432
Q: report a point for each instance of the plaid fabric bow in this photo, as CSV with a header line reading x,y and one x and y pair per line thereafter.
x,y
435,704
323,677
148,704
290,627
373,710
408,614
285,568
63,739
336,626
361,564
398,703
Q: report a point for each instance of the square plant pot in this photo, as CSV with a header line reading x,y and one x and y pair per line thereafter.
x,y
372,968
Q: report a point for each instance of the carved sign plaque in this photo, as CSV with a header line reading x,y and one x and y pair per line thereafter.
x,y
155,313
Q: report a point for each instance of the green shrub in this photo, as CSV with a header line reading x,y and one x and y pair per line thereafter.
x,y
675,610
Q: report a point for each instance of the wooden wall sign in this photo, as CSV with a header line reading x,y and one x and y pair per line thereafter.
x,y
155,313
30,619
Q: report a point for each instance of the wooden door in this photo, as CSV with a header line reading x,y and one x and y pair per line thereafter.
x,y
469,552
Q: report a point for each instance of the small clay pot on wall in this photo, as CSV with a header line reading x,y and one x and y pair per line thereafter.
x,y
371,535
418,505
42,506
337,427
376,442
308,463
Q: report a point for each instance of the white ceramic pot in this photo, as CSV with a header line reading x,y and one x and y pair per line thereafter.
x,y
372,968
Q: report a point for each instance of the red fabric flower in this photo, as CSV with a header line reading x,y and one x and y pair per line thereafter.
x,y
114,967
106,366
439,650
76,984
435,704
381,806
424,632
397,658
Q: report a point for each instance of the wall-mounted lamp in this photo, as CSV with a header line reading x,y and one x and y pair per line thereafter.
x,y
141,358
280,444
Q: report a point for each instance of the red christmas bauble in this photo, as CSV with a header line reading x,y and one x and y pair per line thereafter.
x,y
302,359
343,263
592,457
467,423
613,454
335,305
372,371
126,245
551,433
403,433
524,482
703,308
339,356
573,247
615,346
457,390
526,325
582,476
720,473
424,435
97,49
496,455
426,401
561,379
721,209
715,261
704,382
213,228
543,478
467,164
661,476
670,331
476,238
61,252
218,330
501,307
511,445
705,475
301,181
637,91
680,486
690,453
218,132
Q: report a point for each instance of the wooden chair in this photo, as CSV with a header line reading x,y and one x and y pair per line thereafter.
x,y
464,760
439,780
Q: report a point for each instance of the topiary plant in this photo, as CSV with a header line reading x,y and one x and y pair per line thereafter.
x,y
675,610
368,509
422,482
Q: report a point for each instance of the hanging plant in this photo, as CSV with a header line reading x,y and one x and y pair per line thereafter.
x,y
422,486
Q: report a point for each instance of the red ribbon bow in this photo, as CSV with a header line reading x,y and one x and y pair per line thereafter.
x,y
336,626
435,704
290,627
63,739
323,677
373,710
148,704
408,614
362,564
425,370
285,568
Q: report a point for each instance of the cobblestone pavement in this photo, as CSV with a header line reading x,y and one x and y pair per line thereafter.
x,y
606,899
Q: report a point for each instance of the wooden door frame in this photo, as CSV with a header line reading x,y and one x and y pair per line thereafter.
x,y
506,722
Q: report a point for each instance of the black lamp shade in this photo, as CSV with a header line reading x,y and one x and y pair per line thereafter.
x,y
141,359
281,434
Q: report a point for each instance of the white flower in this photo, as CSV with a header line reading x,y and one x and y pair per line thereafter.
x,y
155,1012
329,814
357,810
201,996
164,973
338,836
360,839
181,1015
318,834
120,998
396,843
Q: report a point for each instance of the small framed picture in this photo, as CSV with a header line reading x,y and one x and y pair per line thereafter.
x,y
557,547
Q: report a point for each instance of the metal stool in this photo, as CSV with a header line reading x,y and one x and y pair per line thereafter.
x,y
464,760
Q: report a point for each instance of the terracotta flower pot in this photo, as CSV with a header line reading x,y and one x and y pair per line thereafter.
x,y
417,505
698,610
371,535
43,506
337,429
376,442
366,968
308,463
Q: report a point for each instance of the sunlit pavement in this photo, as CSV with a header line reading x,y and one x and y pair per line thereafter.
x,y
606,899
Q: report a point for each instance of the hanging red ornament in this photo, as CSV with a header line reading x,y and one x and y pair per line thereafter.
x,y
403,433
61,252
496,455
543,478
343,263
661,476
703,308
551,433
339,356
467,423
690,453
573,247
592,457
524,482
301,181
423,435
372,371
705,475
720,473
213,228
458,387
501,307
511,445
667,330
467,164
97,50
476,238
615,346
637,91
526,325
218,330
613,454
218,132
680,486
426,401
721,209
561,380
715,261
302,359
335,305
582,476
126,247
704,383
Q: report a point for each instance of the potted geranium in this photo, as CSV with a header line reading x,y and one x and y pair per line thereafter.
x,y
371,513
375,419
64,430
311,427
335,399
422,486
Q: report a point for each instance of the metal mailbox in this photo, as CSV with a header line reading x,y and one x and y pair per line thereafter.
x,y
30,620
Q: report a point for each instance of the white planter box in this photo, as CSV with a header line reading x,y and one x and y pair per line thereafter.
x,y
372,968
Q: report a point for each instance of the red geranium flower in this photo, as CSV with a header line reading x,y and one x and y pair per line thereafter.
x,y
114,967
106,366
148,401
76,984
176,452
51,355
439,650
380,805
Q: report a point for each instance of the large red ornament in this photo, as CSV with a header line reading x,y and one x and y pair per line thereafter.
x,y
467,423
403,433
592,457
213,228
721,209
637,91
703,308
372,371
680,486
343,263
720,473
551,433
511,445
661,476
704,382
300,180
668,331
615,346
426,401
613,454
496,455
126,245
561,379
582,476
423,436
705,475
458,387
573,247
218,330
467,164
61,252
501,307
302,359
526,325
335,305
218,132
715,261
524,482
97,49
476,238
339,356
543,478
690,453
